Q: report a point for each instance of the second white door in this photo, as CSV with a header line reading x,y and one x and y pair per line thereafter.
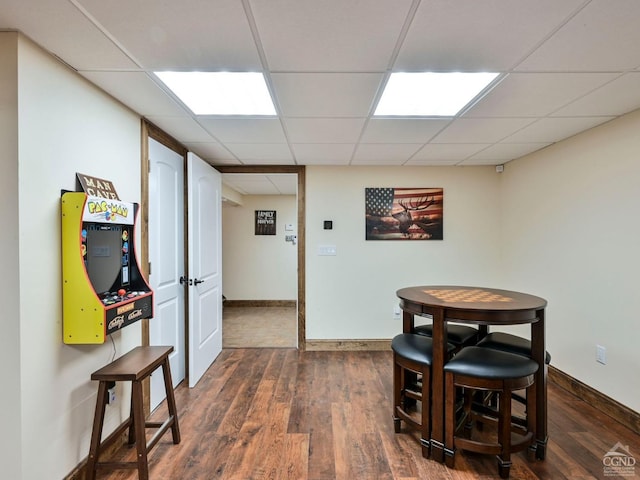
x,y
205,266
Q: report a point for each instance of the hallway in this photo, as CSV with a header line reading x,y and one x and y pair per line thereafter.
x,y
259,327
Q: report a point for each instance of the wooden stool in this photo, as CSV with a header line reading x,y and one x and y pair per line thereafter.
x,y
507,342
412,356
134,366
484,369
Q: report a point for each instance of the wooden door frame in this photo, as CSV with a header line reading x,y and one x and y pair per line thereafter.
x,y
300,172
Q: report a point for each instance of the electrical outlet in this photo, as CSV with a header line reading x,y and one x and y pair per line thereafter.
x,y
601,354
112,395
396,312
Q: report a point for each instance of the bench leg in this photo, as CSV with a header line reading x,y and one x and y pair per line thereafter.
x,y
132,424
96,433
139,425
171,401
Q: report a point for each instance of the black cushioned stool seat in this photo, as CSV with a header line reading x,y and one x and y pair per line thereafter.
x,y
476,368
412,357
457,335
507,342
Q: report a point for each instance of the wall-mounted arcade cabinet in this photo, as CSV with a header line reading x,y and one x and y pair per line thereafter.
x,y
103,288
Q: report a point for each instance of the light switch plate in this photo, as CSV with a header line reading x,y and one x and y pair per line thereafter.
x,y
327,250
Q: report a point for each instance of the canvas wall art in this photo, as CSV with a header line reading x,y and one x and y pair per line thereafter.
x,y
404,213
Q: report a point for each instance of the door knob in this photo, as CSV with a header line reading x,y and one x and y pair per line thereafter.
x,y
196,281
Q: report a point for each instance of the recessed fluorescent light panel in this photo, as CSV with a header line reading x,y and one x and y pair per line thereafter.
x,y
221,93
429,94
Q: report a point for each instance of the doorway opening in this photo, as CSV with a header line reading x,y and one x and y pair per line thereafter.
x,y
289,222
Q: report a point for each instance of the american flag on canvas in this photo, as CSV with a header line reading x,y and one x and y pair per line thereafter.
x,y
379,201
404,213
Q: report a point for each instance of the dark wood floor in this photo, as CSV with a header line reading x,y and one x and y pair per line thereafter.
x,y
280,414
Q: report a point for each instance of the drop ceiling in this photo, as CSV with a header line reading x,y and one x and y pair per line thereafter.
x,y
565,66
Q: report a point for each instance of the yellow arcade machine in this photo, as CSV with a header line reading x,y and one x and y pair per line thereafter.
x,y
103,288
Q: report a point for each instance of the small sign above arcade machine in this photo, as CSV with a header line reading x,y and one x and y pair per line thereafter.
x,y
97,187
103,288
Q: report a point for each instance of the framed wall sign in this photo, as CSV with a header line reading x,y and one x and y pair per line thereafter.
x,y
265,222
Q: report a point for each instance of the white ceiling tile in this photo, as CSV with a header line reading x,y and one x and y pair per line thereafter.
x,y
447,152
503,152
266,152
324,130
536,94
254,184
469,35
615,98
224,162
430,163
554,129
326,94
323,153
286,183
481,130
64,31
184,128
331,35
604,36
379,161
190,34
138,91
266,184
264,161
212,151
393,153
244,130
402,130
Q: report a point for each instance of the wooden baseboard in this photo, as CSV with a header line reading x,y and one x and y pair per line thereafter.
x,y
596,399
347,345
259,303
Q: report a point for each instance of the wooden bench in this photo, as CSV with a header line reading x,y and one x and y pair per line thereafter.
x,y
133,367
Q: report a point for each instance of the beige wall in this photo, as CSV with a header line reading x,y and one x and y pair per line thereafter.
x,y
10,404
66,125
259,267
570,234
352,295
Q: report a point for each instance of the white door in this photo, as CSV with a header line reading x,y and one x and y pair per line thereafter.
x,y
166,254
205,266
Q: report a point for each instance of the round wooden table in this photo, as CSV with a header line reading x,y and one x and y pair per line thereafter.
x,y
484,307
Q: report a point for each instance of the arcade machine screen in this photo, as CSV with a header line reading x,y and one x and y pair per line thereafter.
x,y
106,255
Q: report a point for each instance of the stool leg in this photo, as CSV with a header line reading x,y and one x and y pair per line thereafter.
x,y
532,419
139,421
96,433
426,412
132,423
171,401
449,420
504,433
397,397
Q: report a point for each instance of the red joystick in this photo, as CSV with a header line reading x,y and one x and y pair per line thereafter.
x,y
121,292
